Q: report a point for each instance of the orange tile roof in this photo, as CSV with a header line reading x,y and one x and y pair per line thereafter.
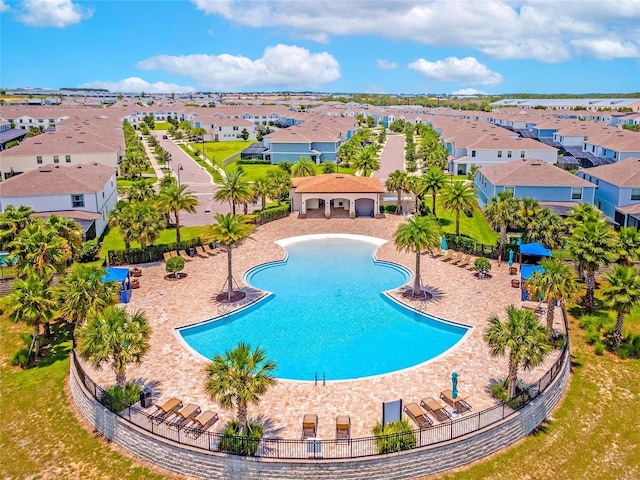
x,y
336,183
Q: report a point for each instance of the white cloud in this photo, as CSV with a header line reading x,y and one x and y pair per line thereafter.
x,y
468,92
386,64
52,13
137,85
280,66
505,29
606,49
4,7
466,71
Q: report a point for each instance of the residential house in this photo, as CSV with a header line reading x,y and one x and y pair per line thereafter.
x,y
614,144
85,193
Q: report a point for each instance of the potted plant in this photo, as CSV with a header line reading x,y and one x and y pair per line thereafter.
x,y
174,266
483,265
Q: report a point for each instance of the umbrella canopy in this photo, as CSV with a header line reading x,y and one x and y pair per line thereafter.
x,y
454,381
443,243
510,257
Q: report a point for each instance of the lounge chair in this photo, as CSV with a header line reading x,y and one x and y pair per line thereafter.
x,y
462,258
418,415
168,255
472,265
166,409
309,426
210,250
186,414
458,404
202,422
435,408
465,261
343,427
201,253
448,255
457,256
185,255
438,253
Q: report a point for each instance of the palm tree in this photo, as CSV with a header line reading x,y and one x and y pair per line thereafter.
x,y
239,377
366,161
175,199
123,218
629,245
621,294
396,182
148,222
31,302
581,214
68,229
12,221
521,337
39,249
547,228
303,168
417,235
458,196
140,191
262,188
82,293
229,231
501,212
593,244
347,152
556,282
434,180
528,210
116,337
233,189
280,182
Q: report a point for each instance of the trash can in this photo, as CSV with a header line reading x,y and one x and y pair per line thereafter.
x,y
192,252
145,398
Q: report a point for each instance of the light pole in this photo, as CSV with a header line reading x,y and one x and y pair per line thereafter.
x,y
179,170
203,157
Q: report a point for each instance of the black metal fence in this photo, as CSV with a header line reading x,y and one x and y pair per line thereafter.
x,y
328,449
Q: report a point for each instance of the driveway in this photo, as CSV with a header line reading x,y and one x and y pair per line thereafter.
x,y
391,158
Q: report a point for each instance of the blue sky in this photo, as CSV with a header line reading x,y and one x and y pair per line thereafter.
x,y
395,46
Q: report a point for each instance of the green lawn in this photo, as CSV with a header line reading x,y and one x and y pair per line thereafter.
x,y
162,125
128,183
113,239
254,172
219,151
475,227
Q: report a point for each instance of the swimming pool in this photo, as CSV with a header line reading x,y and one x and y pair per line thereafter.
x,y
328,314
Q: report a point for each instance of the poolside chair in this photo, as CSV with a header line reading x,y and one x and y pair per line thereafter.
x,y
309,426
454,258
458,404
210,250
465,261
185,255
186,414
461,258
343,427
472,265
202,423
201,253
448,255
435,408
166,409
418,415
438,253
168,255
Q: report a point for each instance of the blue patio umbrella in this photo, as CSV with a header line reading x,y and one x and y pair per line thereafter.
x,y
454,381
510,257
443,243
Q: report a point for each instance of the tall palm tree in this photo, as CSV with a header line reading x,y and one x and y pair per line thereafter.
x,y
366,161
148,222
239,377
629,245
12,221
347,152
40,250
458,196
417,235
621,294
175,199
501,212
547,228
82,293
280,181
434,180
581,214
396,182
556,282
262,188
521,337
116,337
68,229
593,244
31,302
140,191
229,231
304,167
123,218
233,189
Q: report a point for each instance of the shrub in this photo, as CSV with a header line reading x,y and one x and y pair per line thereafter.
x,y
88,251
328,167
394,437
117,399
598,348
174,265
21,358
499,391
241,444
592,336
483,265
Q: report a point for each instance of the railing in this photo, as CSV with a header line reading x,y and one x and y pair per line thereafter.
x,y
326,449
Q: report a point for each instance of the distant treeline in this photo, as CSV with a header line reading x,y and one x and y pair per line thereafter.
x,y
76,89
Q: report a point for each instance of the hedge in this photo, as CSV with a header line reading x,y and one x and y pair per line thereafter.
x,y
152,253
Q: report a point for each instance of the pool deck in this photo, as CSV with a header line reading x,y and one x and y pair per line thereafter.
x,y
173,370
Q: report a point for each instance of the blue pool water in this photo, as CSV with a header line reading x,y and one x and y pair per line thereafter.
x,y
328,315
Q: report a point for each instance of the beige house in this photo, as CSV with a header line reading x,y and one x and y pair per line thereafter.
x,y
337,195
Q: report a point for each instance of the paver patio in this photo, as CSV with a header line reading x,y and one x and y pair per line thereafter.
x,y
173,370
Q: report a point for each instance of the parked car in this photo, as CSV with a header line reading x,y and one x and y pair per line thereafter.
x,y
164,137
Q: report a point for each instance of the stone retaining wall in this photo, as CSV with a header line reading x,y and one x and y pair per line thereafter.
x,y
402,465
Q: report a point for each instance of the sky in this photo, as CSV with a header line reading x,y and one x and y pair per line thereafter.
x,y
462,47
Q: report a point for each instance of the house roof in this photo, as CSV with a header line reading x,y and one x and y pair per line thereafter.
x,y
336,183
531,172
58,180
625,173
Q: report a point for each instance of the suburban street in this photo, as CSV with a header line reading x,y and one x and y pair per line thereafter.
x,y
392,157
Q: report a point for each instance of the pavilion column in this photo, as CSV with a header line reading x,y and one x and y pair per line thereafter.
x,y
352,208
327,208
303,208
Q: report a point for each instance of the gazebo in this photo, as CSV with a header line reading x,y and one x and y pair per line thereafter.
x,y
122,276
530,255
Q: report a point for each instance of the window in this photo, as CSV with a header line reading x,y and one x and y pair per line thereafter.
x,y
576,193
39,159
521,153
67,158
56,159
508,153
235,128
473,153
635,194
77,201
499,153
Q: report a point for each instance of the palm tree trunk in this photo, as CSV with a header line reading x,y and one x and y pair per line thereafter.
x,y
229,277
233,207
617,333
264,200
177,228
550,315
590,282
121,378
503,234
457,223
36,339
512,378
242,418
433,210
416,281
398,202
